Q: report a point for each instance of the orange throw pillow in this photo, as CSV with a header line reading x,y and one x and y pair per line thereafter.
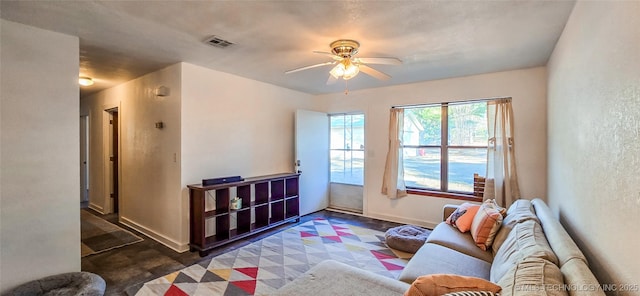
x,y
439,284
464,222
462,217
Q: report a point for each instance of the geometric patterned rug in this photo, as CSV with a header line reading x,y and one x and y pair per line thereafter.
x,y
266,265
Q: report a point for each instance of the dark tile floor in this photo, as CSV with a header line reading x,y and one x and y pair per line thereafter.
x,y
126,269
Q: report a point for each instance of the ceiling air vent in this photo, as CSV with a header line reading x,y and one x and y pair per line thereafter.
x,y
217,42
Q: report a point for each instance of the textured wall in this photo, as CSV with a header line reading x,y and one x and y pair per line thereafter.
x,y
594,136
39,128
528,89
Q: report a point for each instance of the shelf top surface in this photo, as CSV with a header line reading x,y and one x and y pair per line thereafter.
x,y
246,181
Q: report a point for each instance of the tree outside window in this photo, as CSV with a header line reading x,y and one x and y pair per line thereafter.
x,y
444,145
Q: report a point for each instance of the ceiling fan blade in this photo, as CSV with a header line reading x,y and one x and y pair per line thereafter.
x,y
333,56
309,67
380,61
331,80
373,72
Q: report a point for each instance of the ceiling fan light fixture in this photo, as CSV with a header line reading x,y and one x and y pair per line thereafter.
x,y
346,65
345,69
350,71
85,81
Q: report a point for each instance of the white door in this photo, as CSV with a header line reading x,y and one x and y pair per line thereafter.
x,y
312,159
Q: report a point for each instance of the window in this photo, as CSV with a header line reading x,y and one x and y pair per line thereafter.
x,y
444,145
347,148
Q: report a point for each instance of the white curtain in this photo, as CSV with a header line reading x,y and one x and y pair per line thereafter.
x,y
393,180
502,179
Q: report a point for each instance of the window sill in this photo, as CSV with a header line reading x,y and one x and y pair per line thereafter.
x,y
349,184
440,194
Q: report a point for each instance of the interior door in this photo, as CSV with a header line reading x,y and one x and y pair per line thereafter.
x,y
312,160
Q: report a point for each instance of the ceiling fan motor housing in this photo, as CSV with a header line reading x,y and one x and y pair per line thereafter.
x,y
345,48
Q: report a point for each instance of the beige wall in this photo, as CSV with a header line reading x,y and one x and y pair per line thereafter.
x,y
39,124
216,124
528,89
234,126
594,136
149,157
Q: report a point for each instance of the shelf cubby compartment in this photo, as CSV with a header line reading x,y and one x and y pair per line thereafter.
x,y
244,192
277,211
222,200
291,187
292,207
277,190
244,221
262,192
222,227
262,215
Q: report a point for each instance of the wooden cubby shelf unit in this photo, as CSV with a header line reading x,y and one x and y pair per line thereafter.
x,y
267,202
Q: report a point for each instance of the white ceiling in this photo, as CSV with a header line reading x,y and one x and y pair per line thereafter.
x,y
121,40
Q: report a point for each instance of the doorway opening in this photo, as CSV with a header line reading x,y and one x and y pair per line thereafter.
x,y
84,163
112,177
346,185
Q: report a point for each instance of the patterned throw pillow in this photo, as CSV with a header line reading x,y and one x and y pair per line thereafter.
x,y
472,293
485,225
463,216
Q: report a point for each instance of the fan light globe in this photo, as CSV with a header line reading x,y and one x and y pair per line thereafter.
x,y
85,81
350,71
345,69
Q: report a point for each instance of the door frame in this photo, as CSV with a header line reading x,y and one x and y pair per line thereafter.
x,y
107,144
85,129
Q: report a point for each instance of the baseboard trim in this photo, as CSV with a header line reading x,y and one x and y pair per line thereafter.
x,y
344,211
168,242
96,208
402,220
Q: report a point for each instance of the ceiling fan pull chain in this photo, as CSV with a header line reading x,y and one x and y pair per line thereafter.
x,y
346,87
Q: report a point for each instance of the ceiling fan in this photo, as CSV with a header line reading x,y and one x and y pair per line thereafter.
x,y
346,65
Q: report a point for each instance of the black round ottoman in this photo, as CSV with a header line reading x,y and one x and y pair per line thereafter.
x,y
406,238
72,283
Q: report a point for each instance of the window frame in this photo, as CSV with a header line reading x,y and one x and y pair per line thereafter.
x,y
444,156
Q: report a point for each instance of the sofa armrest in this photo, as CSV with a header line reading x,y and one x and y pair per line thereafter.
x,y
447,210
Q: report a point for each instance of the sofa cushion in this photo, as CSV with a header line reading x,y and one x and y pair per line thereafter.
x,y
485,225
579,279
439,284
433,259
520,211
533,276
562,244
524,241
445,235
520,205
330,278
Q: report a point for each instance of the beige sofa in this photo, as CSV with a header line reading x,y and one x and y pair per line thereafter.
x,y
532,255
